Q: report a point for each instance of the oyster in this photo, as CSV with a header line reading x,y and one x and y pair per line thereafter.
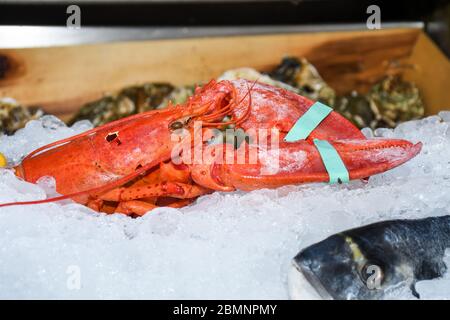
x,y
301,74
388,103
14,116
395,100
357,109
178,95
128,101
253,75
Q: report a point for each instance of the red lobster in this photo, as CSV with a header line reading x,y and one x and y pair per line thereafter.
x,y
128,166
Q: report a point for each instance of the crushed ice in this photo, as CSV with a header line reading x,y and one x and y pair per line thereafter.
x,y
226,245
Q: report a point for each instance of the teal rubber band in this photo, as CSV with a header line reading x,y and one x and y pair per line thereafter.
x,y
333,163
308,122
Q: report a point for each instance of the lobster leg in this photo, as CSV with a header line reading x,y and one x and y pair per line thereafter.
x,y
135,207
169,186
164,189
141,207
129,205
95,204
175,203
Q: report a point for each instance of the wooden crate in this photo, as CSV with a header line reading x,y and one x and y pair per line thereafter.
x,y
61,79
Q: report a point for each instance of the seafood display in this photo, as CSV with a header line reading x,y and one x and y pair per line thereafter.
x,y
180,150
128,166
236,245
368,262
158,146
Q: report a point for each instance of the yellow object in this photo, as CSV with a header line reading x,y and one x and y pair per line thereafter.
x,y
3,161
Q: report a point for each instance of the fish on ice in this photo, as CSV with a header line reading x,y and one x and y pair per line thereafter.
x,y
372,261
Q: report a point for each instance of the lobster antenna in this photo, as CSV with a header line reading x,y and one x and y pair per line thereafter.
x,y
245,115
247,112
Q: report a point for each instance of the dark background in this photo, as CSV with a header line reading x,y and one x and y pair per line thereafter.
x,y
435,13
216,12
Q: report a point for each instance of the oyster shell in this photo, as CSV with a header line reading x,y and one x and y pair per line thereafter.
x,y
14,116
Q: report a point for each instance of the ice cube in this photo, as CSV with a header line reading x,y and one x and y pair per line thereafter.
x,y
225,245
444,115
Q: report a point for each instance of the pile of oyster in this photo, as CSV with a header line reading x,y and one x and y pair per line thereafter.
x,y
389,102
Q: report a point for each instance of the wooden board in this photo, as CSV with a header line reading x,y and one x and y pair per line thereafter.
x,y
430,70
61,79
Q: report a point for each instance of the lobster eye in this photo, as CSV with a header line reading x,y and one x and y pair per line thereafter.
x,y
180,123
176,125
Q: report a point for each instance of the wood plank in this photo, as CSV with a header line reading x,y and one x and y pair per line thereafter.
x,y
62,78
430,70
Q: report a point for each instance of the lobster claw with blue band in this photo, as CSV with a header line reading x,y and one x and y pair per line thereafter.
x,y
127,166
316,145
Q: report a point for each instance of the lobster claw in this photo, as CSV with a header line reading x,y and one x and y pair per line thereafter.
x,y
364,158
300,162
